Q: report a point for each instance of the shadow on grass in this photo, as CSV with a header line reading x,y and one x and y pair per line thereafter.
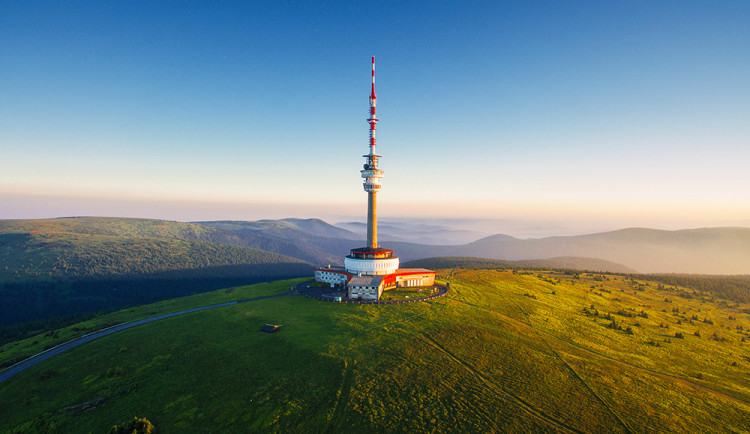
x,y
39,301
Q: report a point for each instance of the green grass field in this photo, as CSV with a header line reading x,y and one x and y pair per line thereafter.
x,y
522,351
398,294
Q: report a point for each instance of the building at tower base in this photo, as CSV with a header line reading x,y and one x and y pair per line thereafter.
x,y
371,286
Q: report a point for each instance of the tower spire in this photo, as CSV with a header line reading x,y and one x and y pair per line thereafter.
x,y
371,174
372,120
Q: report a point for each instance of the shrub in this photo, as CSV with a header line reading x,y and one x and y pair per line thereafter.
x,y
114,372
49,373
135,426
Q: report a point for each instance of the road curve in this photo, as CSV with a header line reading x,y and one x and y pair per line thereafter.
x,y
44,355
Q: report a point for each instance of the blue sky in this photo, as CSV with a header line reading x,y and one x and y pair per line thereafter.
x,y
609,114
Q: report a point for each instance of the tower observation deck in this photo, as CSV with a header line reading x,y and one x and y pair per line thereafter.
x,y
371,260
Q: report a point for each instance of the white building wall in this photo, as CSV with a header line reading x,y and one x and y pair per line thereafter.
x,y
415,280
364,292
330,277
371,267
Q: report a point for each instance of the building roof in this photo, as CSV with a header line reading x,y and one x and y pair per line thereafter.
x,y
331,268
338,270
407,271
366,281
269,328
370,250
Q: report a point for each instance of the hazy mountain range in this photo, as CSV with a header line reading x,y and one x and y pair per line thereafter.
x,y
62,266
691,251
420,232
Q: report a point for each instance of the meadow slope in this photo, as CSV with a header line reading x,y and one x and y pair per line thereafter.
x,y
505,350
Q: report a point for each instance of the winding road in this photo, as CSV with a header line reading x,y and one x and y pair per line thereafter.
x,y
52,352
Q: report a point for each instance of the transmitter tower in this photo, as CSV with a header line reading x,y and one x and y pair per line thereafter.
x,y
371,174
370,270
371,260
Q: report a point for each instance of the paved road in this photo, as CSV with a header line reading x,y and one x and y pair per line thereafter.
x,y
52,352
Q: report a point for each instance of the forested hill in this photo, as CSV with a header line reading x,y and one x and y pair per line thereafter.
x,y
320,241
85,248
55,267
150,228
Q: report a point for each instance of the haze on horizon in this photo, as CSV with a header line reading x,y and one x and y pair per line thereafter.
x,y
557,118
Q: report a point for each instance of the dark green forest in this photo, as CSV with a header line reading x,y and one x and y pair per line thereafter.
x,y
733,288
65,267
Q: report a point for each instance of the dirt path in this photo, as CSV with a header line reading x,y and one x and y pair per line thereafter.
x,y
342,399
499,391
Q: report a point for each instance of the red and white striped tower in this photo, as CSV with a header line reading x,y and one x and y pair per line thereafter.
x,y
370,270
371,260
371,174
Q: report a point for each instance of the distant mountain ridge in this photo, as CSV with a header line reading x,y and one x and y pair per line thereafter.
x,y
312,240
691,251
495,238
421,233
694,251
289,228
569,263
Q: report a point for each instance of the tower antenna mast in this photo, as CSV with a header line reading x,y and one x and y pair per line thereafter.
x,y
371,174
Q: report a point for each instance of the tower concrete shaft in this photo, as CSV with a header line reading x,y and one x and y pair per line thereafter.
x,y
372,220
371,174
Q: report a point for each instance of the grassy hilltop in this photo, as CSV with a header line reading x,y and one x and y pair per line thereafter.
x,y
505,350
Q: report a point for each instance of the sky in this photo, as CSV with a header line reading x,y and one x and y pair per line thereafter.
x,y
576,116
